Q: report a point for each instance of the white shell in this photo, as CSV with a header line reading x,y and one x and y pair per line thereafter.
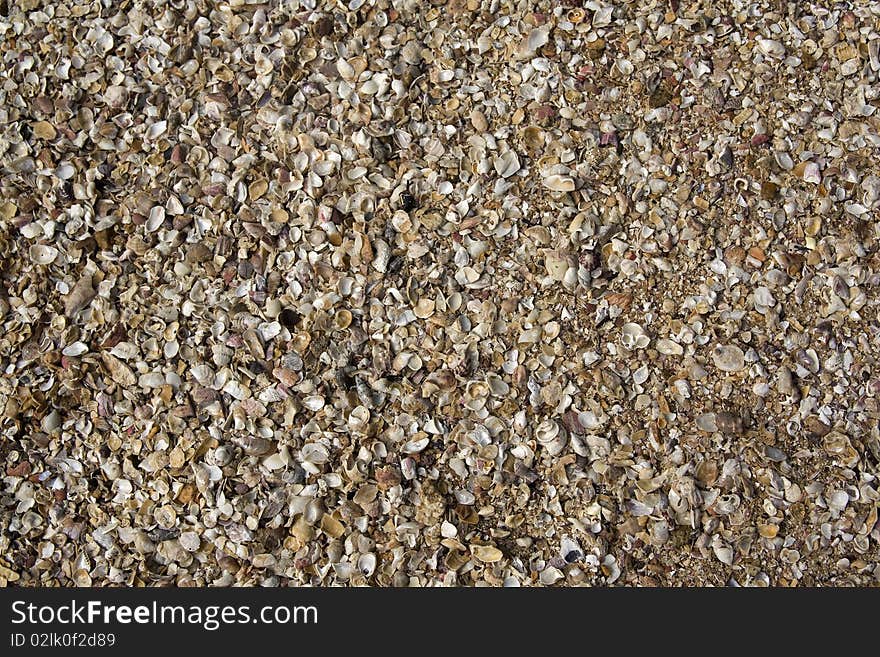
x,y
43,254
157,129
315,453
156,218
75,349
507,164
559,183
367,564
669,348
632,336
771,47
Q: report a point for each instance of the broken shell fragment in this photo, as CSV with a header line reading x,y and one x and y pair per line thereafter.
x,y
633,336
486,553
728,358
43,254
559,183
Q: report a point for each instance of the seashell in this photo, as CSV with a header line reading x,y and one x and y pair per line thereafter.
x,y
727,504
126,350
331,526
315,453
236,390
417,445
314,402
156,130
763,298
254,445
576,15
815,428
186,251
669,348
557,263
812,174
43,130
838,500
366,564
382,256
190,541
549,434
65,171
75,349
507,164
475,395
442,379
533,138
116,96
156,218
552,329
728,358
784,160
173,206
366,494
632,336
51,421
401,222
342,319
43,254
546,431
80,296
358,418
448,530
706,422
345,69
570,550
559,183
151,380
550,575
257,189
8,210
707,473
639,509
610,567
588,420
729,423
809,359
119,371
269,330
855,209
768,530
723,552
300,342
771,47
424,308
486,553
839,447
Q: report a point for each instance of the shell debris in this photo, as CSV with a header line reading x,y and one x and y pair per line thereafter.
x,y
474,293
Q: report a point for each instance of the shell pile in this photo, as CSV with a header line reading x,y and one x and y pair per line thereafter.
x,y
408,293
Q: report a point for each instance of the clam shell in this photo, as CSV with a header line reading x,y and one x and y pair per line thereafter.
x,y
424,308
487,553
